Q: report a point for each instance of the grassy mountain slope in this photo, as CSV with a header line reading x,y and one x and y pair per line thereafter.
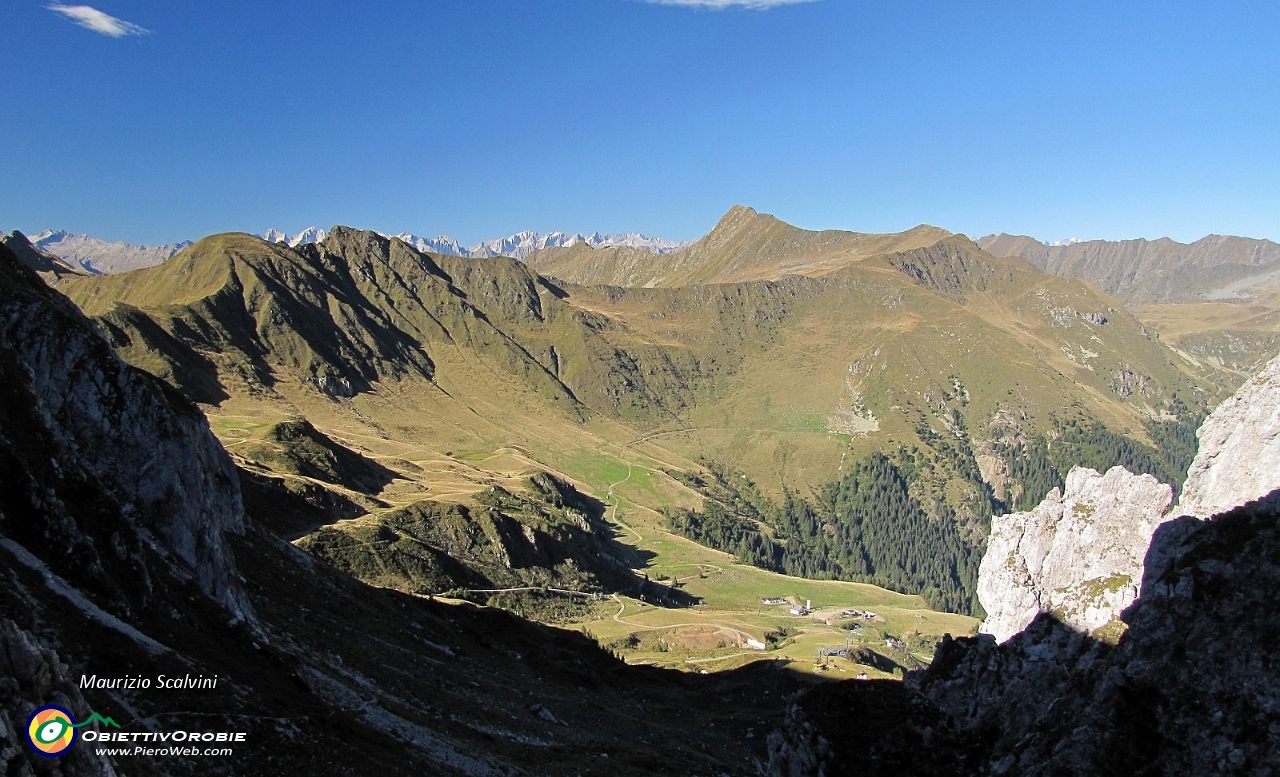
x,y
1217,300
458,375
127,553
745,245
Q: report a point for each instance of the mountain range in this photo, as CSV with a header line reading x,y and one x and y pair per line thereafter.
x,y
1137,272
101,257
296,467
517,246
785,355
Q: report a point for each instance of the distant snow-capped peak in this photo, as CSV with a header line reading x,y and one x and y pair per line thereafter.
x,y
308,235
517,246
1062,243
522,244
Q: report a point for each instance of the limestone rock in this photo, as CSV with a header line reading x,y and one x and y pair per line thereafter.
x,y
1238,457
1078,555
113,431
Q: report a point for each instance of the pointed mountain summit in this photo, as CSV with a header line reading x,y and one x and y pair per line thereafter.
x,y
744,246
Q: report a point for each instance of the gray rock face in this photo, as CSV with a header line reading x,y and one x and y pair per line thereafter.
x,y
1189,689
1238,458
1188,685
119,432
1077,555
31,676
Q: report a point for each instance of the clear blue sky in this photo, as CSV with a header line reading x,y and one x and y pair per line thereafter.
x,y
478,118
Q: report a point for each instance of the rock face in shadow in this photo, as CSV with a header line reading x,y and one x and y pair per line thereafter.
x,y
1190,688
82,434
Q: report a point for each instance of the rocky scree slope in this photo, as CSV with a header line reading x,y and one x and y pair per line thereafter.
x,y
1188,688
124,551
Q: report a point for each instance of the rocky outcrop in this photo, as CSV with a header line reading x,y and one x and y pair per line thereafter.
x,y
1189,689
117,442
1238,457
1183,684
1077,555
31,676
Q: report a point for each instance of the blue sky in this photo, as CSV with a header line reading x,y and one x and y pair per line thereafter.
x,y
153,121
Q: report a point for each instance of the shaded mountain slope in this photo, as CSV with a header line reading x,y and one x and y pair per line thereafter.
x,y
127,553
354,310
549,536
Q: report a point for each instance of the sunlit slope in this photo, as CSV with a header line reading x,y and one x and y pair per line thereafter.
x,y
784,379
815,370
743,246
457,376
1237,337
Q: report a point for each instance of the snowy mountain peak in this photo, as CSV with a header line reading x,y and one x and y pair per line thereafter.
x,y
308,235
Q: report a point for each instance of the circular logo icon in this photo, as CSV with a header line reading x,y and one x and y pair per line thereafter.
x,y
50,730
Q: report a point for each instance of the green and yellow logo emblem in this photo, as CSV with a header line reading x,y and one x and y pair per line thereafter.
x,y
51,731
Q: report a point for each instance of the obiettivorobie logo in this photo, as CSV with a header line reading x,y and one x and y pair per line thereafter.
x,y
51,730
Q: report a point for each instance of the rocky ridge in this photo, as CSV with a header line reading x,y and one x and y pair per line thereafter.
x,y
1163,270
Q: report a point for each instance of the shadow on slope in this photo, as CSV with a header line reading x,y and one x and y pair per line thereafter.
x,y
126,553
548,538
1190,687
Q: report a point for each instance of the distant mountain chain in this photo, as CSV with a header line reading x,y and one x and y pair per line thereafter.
x,y
1213,268
102,257
516,246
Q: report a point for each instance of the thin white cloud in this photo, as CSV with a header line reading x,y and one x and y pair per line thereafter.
x,y
91,18
719,5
